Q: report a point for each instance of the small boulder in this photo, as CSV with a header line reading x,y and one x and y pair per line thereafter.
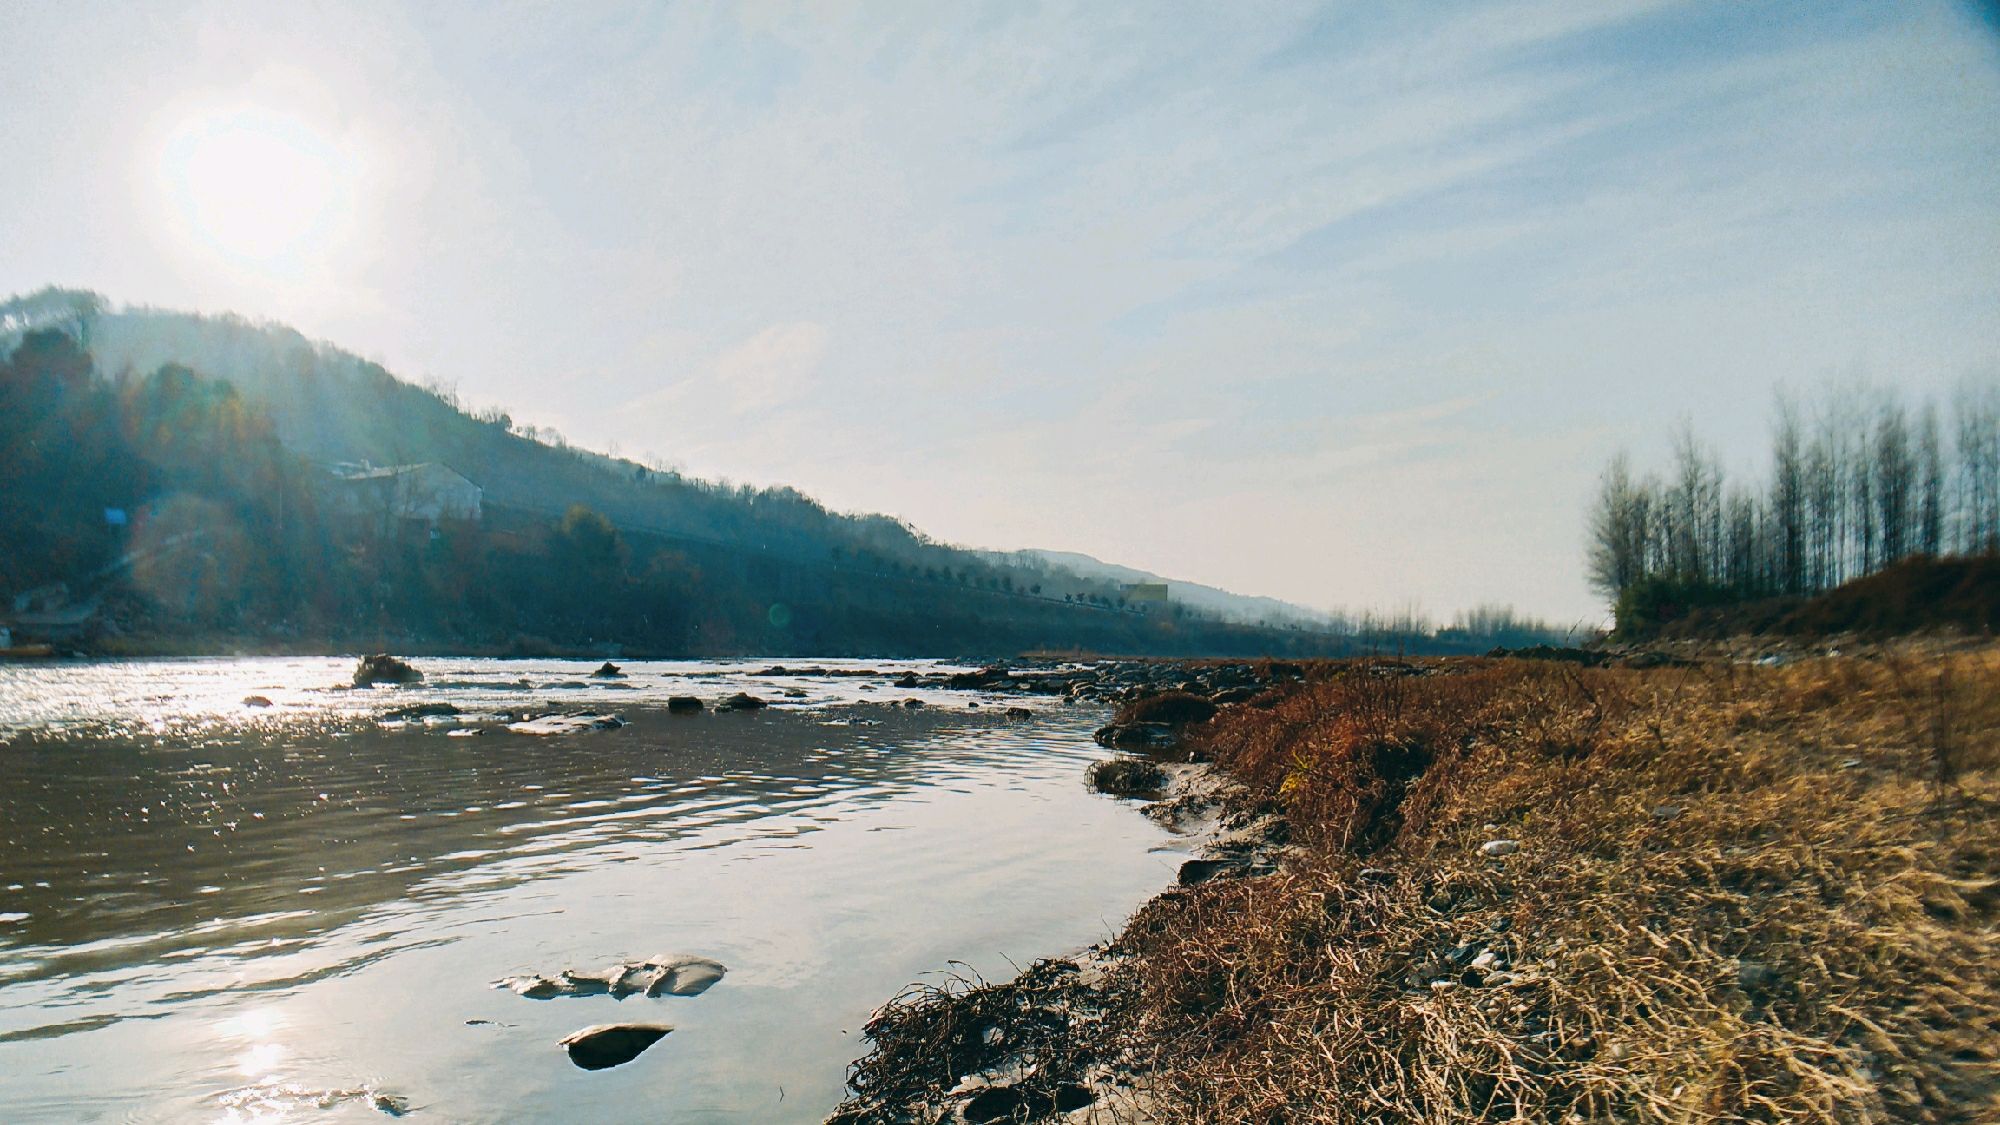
x,y
684,705
1495,849
1197,871
381,668
1135,736
994,1103
1127,777
665,974
991,677
742,701
604,1045
421,711
550,725
1019,713
256,701
608,671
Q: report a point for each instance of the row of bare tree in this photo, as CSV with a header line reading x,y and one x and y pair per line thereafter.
x,y
1859,478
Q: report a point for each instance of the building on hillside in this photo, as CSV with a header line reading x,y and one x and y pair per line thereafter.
x,y
429,492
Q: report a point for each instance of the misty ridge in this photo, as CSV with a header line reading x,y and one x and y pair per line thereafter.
x,y
177,481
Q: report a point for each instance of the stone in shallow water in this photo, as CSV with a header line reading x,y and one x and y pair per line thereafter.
x,y
610,1044
668,974
381,668
549,725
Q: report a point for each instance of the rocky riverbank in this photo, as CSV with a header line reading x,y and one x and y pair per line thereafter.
x,y
1651,890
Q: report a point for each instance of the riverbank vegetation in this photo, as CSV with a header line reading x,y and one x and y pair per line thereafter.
x,y
1859,480
1536,890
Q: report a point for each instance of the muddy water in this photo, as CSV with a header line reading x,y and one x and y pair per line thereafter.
x,y
219,912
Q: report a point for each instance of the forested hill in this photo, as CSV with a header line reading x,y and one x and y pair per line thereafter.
x,y
173,474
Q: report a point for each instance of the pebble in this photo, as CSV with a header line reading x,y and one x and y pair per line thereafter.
x,y
1497,848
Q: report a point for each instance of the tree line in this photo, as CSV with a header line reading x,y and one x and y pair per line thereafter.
x,y
1859,478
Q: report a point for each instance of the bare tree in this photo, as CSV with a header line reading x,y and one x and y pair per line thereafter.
x,y
1618,531
1893,466
1977,409
1868,483
1695,509
1930,483
1788,497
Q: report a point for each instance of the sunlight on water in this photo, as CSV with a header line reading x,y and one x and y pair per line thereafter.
x,y
288,912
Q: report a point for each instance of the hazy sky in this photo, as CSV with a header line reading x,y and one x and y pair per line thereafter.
x,y
1344,304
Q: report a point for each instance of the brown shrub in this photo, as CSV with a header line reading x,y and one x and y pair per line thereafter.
x,y
1171,707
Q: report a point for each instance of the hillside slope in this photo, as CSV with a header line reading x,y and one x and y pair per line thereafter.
x,y
681,565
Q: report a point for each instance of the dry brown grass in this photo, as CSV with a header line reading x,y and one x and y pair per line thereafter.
x,y
1742,894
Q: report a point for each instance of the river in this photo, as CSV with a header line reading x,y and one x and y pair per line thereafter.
x,y
220,911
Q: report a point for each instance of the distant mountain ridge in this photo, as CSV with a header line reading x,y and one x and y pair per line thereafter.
x,y
681,564
727,567
1223,604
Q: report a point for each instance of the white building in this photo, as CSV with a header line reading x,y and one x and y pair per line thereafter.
x,y
430,492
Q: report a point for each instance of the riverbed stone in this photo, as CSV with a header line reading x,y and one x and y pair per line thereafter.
x,y
551,725
1127,777
421,711
381,668
664,974
605,1045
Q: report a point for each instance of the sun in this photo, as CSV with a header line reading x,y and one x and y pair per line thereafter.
x,y
257,187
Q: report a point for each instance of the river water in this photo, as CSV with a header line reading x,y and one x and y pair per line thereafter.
x,y
211,911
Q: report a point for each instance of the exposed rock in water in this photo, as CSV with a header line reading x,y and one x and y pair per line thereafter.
x,y
684,705
608,671
381,668
421,711
907,680
256,701
1018,713
913,703
1135,736
611,1044
1127,777
984,679
667,974
742,701
549,725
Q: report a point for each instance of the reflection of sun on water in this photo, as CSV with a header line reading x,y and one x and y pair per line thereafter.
x,y
258,188
251,1035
